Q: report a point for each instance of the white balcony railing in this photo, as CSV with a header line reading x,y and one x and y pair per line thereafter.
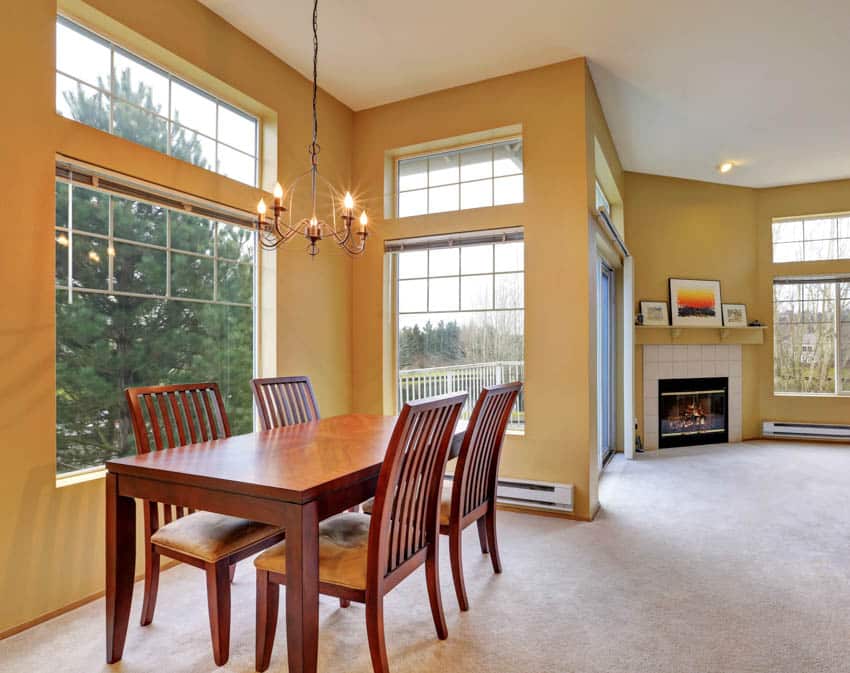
x,y
414,384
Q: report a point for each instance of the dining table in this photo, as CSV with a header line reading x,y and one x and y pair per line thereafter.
x,y
291,477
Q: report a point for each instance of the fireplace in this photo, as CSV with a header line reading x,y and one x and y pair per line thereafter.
x,y
692,411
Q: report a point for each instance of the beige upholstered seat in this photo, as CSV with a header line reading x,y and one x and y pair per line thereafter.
x,y
445,507
209,536
343,548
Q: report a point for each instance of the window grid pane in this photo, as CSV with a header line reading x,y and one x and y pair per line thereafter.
x,y
811,239
138,311
460,324
473,177
807,329
104,86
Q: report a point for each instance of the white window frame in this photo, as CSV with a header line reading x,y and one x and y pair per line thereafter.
x,y
836,282
835,240
459,150
444,242
95,471
602,202
172,79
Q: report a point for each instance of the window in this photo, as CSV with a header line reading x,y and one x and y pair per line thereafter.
x,y
602,202
144,295
474,177
460,320
811,239
811,347
102,85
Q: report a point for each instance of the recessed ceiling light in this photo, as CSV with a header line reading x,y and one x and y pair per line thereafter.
x,y
725,167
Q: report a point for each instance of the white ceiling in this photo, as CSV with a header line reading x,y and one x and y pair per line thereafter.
x,y
685,85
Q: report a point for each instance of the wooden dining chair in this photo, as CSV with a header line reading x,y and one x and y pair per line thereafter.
x,y
169,416
362,558
285,400
472,498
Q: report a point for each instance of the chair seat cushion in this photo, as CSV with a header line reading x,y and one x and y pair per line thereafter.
x,y
343,550
209,536
445,506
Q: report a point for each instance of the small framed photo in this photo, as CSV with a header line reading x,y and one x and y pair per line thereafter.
x,y
654,313
734,315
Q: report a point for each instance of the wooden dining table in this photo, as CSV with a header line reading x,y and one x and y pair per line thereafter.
x,y
291,477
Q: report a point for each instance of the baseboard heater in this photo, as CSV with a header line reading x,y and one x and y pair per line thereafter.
x,y
806,430
534,494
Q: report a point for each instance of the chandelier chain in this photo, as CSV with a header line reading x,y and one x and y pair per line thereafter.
x,y
315,73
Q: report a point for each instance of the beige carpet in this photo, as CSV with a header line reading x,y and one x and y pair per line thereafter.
x,y
725,559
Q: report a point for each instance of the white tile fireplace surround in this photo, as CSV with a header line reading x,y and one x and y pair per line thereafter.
x,y
686,362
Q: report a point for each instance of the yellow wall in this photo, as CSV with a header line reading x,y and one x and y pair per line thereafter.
x,y
703,230
809,199
550,104
51,551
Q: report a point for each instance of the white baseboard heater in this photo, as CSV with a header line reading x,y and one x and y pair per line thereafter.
x,y
534,494
806,430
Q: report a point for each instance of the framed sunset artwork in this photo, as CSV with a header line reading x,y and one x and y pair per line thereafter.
x,y
695,303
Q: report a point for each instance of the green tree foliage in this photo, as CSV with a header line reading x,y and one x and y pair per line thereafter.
x,y
107,342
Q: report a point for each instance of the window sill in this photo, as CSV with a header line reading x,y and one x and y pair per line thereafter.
x,y
815,395
80,476
515,433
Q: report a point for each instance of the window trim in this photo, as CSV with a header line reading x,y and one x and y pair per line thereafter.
x,y
114,47
450,149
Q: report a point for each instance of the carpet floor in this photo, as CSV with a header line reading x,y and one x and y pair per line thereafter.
x,y
725,559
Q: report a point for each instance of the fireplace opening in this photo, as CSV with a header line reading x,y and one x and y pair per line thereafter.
x,y
692,411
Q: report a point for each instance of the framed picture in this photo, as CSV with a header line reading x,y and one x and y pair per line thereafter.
x,y
695,303
654,313
734,315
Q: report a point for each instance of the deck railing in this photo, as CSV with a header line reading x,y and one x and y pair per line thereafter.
x,y
414,384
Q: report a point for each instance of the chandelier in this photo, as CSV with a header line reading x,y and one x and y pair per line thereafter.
x,y
276,230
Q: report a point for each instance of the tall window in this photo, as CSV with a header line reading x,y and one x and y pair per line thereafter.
x,y
460,320
810,239
144,295
474,177
102,85
811,348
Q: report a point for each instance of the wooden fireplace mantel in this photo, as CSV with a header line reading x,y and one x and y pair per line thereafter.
x,y
666,334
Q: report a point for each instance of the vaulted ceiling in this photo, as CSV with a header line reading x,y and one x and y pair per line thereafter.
x,y
684,85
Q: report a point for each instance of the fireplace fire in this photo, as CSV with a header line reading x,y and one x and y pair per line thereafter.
x,y
692,411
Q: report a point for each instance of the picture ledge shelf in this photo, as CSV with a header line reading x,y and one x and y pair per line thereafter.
x,y
688,334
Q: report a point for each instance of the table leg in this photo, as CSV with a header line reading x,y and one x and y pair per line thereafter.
x,y
120,566
302,588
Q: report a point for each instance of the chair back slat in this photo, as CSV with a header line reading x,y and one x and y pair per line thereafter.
x,y
167,416
406,509
478,461
285,400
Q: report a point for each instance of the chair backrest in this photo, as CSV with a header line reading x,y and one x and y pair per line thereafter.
x,y
167,416
478,460
406,511
285,400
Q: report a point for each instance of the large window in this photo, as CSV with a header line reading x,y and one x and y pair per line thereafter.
x,y
101,85
474,177
811,348
811,239
144,295
460,320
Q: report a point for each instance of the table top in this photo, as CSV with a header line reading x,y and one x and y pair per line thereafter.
x,y
296,463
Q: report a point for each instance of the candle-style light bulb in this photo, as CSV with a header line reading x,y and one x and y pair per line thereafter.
x,y
278,192
364,220
348,201
261,208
